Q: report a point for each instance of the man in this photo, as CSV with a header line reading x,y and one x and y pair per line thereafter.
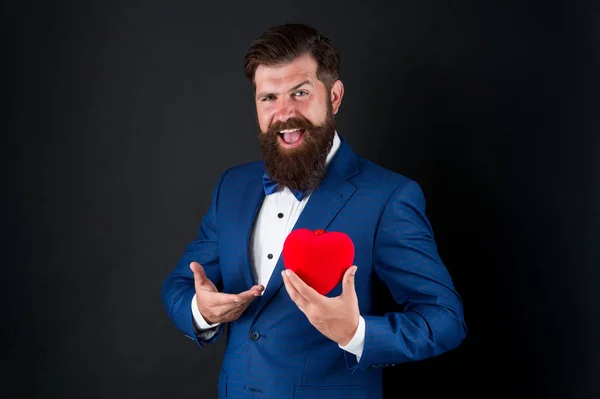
x,y
285,340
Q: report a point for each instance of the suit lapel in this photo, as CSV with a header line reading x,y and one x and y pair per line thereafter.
x,y
322,207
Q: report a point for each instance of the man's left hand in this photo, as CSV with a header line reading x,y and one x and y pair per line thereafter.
x,y
336,318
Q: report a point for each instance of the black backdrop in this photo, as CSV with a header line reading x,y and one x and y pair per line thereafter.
x,y
120,116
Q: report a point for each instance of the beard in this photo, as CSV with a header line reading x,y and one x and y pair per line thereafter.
x,y
303,167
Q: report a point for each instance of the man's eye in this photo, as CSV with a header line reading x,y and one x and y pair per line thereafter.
x,y
300,93
267,98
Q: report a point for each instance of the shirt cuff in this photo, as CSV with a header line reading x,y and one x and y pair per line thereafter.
x,y
199,322
357,343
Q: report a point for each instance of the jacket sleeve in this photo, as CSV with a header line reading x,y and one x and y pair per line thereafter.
x,y
406,260
178,288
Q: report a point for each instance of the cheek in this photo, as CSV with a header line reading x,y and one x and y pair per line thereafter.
x,y
315,113
263,120
263,126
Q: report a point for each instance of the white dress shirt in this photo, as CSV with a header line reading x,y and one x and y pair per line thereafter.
x,y
276,218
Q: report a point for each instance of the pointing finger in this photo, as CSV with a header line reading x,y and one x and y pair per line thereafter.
x,y
250,295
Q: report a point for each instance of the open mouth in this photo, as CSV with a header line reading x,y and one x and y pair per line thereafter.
x,y
291,137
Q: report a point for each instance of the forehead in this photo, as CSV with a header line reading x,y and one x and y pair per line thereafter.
x,y
301,68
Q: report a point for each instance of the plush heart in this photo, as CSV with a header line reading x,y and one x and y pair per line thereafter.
x,y
320,258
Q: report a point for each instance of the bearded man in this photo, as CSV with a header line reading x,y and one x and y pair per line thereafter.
x,y
285,339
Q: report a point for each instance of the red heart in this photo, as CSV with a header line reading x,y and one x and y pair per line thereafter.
x,y
318,257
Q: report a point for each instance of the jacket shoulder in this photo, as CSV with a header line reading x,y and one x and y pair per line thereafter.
x,y
381,176
242,171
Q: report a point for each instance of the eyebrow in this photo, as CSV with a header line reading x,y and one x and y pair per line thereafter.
x,y
263,94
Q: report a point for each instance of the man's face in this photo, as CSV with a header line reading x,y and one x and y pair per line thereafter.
x,y
295,114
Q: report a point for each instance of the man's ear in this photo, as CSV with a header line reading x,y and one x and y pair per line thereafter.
x,y
336,94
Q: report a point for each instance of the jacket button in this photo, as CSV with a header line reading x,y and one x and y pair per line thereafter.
x,y
254,335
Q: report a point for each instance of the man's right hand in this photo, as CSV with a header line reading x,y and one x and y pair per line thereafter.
x,y
219,307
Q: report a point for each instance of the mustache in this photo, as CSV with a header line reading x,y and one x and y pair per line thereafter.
x,y
291,123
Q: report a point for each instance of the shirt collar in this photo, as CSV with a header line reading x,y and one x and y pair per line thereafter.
x,y
334,147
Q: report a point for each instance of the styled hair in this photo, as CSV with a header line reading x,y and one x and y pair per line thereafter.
x,y
282,44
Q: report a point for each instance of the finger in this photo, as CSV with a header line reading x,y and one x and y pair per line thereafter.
x,y
250,295
223,299
257,290
199,274
306,291
348,287
298,299
201,281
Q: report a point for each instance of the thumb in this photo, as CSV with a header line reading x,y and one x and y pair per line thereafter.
x,y
199,274
348,284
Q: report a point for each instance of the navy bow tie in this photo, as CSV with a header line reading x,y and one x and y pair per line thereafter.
x,y
271,187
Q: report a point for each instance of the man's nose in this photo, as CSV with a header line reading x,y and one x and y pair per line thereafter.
x,y
286,109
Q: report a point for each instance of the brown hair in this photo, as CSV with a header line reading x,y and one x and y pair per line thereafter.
x,y
282,44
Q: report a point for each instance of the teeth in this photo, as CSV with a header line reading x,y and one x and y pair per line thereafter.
x,y
289,130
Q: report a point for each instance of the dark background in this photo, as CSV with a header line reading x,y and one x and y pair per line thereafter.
x,y
120,116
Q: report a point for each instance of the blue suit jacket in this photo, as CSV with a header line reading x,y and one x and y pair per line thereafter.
x,y
272,351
